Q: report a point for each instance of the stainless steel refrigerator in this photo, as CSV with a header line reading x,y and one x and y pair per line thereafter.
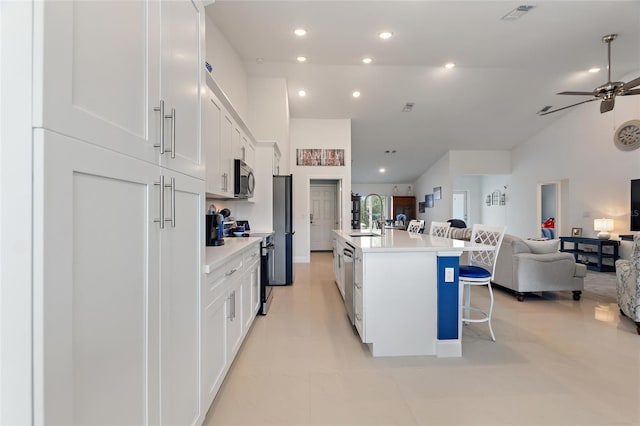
x,y
284,230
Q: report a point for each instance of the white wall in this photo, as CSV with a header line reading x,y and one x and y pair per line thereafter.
x,y
496,215
579,147
269,114
438,175
311,133
381,188
228,69
472,184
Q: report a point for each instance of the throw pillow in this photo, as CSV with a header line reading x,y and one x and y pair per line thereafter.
x,y
543,247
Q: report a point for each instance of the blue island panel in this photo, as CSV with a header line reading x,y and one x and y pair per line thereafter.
x,y
448,305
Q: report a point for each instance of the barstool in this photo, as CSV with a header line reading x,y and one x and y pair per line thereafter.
x,y
439,229
414,226
479,271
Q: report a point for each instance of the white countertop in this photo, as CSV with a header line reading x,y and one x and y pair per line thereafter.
x,y
216,255
395,240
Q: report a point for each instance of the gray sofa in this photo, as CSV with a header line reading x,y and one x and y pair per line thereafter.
x,y
522,271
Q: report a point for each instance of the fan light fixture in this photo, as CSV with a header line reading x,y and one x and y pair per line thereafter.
x,y
604,226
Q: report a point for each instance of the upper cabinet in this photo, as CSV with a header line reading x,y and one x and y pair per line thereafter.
x,y
226,138
128,76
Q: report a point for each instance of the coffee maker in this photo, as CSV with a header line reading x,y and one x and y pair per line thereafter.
x,y
214,228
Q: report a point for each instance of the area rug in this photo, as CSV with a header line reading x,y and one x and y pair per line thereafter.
x,y
600,286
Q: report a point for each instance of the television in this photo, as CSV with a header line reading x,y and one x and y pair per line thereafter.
x,y
635,205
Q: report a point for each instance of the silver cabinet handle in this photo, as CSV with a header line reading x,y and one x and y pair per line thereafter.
x,y
173,202
230,316
222,183
231,272
173,132
161,185
233,305
161,144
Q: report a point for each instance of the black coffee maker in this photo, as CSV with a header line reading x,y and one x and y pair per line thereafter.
x,y
214,227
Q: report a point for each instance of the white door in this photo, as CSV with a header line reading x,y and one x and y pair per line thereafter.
x,y
323,216
98,62
181,265
460,205
182,81
95,285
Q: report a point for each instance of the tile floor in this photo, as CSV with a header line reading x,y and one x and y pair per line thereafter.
x,y
555,362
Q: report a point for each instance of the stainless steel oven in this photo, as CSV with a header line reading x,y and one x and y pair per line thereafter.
x,y
266,273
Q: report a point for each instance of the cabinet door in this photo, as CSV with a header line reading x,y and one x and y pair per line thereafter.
x,y
180,280
236,144
214,348
226,159
96,72
212,144
234,318
95,285
255,288
182,84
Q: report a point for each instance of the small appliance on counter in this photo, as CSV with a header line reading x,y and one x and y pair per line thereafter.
x,y
216,227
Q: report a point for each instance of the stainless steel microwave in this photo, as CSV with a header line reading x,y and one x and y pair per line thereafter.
x,y
244,180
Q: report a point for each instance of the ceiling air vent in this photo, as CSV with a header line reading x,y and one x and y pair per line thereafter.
x,y
408,107
517,12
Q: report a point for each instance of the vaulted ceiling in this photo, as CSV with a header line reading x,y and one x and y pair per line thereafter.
x,y
505,70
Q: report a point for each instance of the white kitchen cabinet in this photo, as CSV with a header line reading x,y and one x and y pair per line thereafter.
x,y
103,69
234,316
214,348
358,293
117,298
217,320
217,135
181,263
250,285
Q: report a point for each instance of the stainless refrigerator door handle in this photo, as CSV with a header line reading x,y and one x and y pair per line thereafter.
x,y
161,185
161,109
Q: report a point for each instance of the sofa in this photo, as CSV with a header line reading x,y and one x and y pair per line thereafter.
x,y
628,283
532,266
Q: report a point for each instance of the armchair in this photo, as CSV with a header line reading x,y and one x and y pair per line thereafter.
x,y
628,283
526,267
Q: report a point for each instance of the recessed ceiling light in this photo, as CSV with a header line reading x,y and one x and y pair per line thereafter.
x,y
302,93
301,58
385,35
300,32
449,65
382,170
367,61
594,69
356,94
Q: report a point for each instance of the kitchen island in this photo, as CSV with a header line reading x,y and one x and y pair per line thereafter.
x,y
405,291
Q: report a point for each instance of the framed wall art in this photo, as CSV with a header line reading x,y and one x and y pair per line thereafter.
x,y
437,193
428,201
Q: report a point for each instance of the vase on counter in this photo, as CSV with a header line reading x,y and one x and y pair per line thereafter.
x,y
409,191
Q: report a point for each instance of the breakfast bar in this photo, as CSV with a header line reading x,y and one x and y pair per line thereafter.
x,y
406,295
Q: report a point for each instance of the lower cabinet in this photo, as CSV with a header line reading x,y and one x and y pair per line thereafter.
x,y
116,296
232,297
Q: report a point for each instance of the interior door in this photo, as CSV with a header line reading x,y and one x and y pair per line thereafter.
x,y
323,216
460,205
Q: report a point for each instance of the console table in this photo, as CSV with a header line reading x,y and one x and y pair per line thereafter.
x,y
594,255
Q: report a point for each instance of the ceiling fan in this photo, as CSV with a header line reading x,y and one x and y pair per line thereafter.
x,y
607,92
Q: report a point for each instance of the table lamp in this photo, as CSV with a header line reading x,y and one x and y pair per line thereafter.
x,y
603,226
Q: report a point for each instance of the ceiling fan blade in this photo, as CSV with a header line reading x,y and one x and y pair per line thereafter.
x,y
630,92
607,105
630,84
576,93
568,106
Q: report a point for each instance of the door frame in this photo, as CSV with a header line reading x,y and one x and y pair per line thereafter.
x,y
330,183
466,204
562,191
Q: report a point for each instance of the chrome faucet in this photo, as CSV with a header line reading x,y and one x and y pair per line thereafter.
x,y
381,221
